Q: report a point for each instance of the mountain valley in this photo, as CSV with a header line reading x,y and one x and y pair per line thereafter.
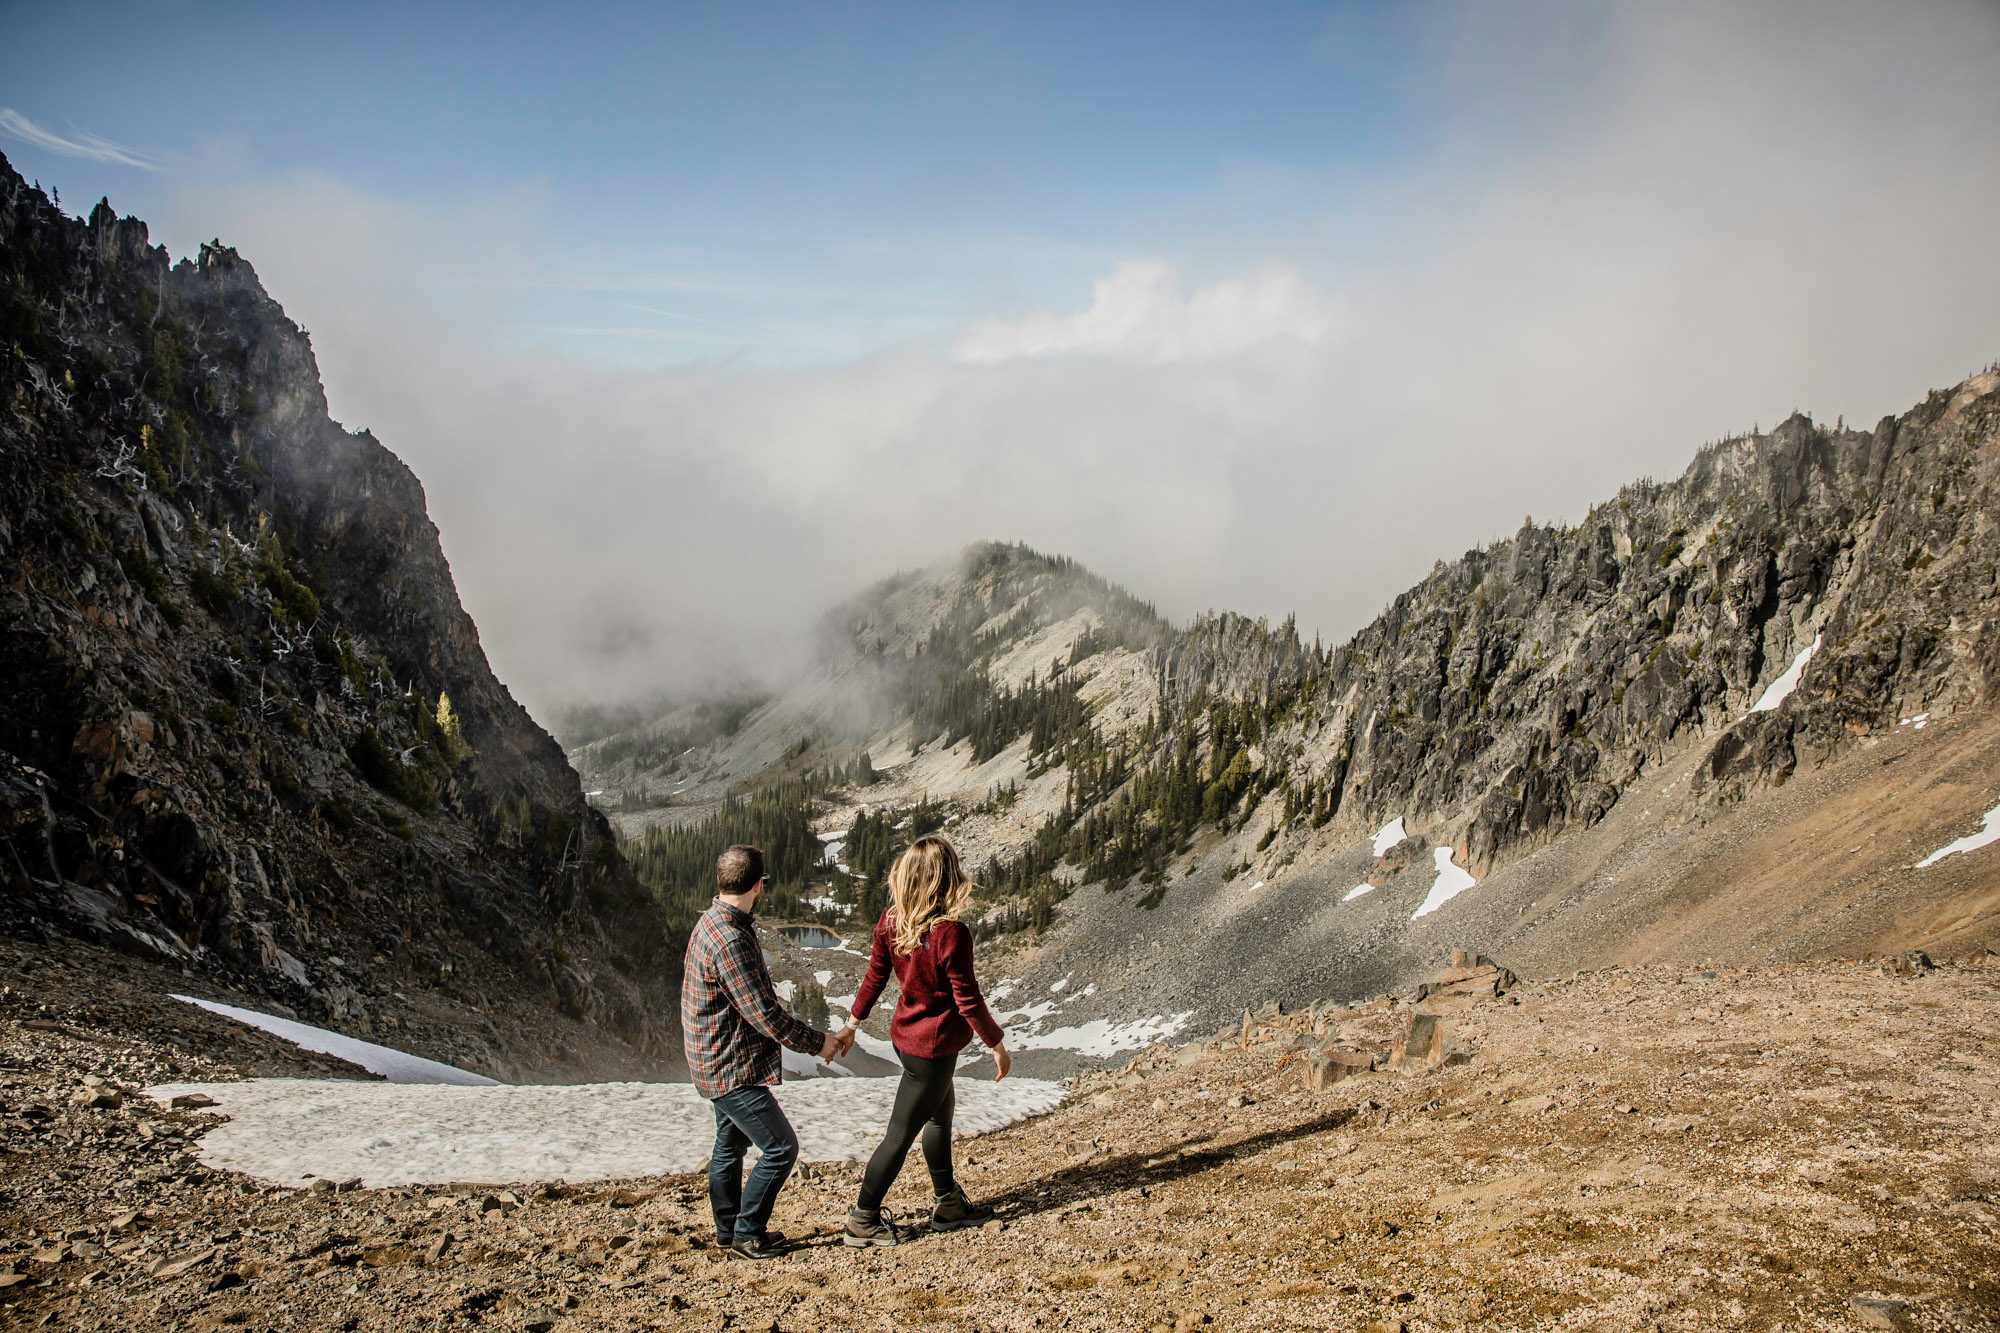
x,y
1603,937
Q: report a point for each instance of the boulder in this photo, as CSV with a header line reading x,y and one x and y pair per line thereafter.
x,y
1912,964
1334,1065
1419,1044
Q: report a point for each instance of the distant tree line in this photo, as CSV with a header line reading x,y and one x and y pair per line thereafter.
x,y
678,864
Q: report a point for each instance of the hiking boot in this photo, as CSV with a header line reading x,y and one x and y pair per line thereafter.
x,y
954,1210
863,1230
771,1239
759,1247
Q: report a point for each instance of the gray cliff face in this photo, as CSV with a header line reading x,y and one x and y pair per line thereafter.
x,y
246,724
1516,692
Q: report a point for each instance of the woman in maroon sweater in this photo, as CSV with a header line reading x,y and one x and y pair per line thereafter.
x,y
940,1009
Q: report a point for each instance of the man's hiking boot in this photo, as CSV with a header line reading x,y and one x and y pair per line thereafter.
x,y
864,1229
771,1240
770,1245
954,1210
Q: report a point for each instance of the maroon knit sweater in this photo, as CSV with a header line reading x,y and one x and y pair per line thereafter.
x,y
941,1006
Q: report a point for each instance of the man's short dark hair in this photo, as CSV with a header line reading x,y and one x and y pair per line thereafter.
x,y
738,870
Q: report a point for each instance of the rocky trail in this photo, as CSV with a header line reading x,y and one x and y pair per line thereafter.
x,y
1801,1147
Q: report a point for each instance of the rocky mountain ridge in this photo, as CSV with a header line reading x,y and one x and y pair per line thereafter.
x,y
1515,693
896,665
245,726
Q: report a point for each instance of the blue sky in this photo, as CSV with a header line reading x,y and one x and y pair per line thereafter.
x,y
784,182
1251,307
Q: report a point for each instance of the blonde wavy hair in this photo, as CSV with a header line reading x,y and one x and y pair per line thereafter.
x,y
927,885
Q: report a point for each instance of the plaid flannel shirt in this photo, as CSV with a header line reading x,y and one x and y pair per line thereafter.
x,y
731,1018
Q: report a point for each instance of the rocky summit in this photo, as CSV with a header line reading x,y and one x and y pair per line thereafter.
x,y
246,729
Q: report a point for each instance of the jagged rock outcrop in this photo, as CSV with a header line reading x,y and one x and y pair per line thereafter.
x,y
1514,693
244,721
1234,655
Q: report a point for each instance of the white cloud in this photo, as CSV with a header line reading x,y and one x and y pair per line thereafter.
x,y
1137,313
79,143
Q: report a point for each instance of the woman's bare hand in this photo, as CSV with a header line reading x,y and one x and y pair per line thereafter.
x,y
1002,1062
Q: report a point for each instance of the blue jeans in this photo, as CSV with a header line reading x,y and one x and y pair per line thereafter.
x,y
744,1117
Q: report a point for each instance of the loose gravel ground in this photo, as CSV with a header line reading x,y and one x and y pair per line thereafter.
x,y
1799,1147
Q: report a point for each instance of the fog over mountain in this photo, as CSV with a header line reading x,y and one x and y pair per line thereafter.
x,y
1615,233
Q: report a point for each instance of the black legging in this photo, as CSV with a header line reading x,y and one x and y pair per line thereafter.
x,y
924,1100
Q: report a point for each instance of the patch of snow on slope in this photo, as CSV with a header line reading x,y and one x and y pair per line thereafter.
x,y
1356,892
1989,833
823,976
1388,836
1452,880
393,1065
785,989
1056,986
1029,1016
1101,1037
286,1130
1254,887
1781,688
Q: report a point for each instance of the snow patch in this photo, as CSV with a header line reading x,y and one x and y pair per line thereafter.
x,y
1452,880
393,1065
823,976
286,1131
1102,1037
1918,722
1254,887
1989,833
1388,836
1781,688
1056,986
785,990
1356,892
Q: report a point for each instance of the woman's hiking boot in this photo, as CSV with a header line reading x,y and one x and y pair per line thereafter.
x,y
866,1228
954,1210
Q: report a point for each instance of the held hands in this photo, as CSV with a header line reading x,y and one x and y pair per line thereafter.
x,y
830,1048
845,1037
1002,1062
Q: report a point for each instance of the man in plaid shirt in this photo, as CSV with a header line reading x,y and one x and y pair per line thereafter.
x,y
734,1024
